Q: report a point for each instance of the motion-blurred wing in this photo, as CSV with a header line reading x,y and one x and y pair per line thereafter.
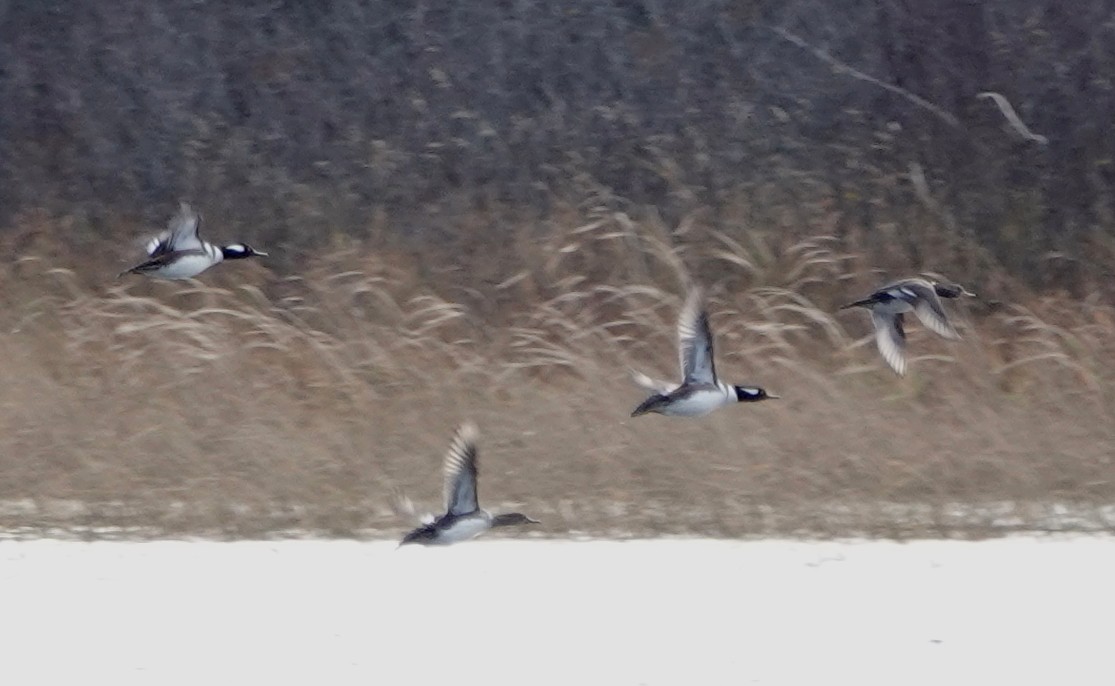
x,y
181,233
656,385
891,340
695,342
403,506
929,310
461,472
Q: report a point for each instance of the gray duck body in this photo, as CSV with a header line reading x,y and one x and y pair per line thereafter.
x,y
889,305
463,519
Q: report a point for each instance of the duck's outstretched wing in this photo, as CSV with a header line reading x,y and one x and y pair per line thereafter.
x,y
922,296
695,342
890,338
461,472
656,385
182,233
929,310
403,506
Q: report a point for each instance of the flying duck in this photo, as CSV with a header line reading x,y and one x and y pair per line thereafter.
x,y
180,253
463,518
699,391
891,302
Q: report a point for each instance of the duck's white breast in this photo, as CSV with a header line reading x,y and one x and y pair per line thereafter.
x,y
186,267
698,403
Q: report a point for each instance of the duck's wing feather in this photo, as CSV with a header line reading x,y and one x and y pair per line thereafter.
x,y
182,233
403,506
461,472
695,342
929,310
158,245
922,296
890,337
656,385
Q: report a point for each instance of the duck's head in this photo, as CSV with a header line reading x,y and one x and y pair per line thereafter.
x,y
952,290
512,519
238,251
750,394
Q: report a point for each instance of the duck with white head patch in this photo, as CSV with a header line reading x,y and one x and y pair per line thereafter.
x,y
180,253
463,518
889,304
700,391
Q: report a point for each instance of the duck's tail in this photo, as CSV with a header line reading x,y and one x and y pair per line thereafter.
x,y
866,302
651,404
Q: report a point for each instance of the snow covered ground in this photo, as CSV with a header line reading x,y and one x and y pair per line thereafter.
x,y
1008,611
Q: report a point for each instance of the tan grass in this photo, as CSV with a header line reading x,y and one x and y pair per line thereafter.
x,y
248,403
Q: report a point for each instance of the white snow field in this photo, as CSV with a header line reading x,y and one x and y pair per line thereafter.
x,y
1008,611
